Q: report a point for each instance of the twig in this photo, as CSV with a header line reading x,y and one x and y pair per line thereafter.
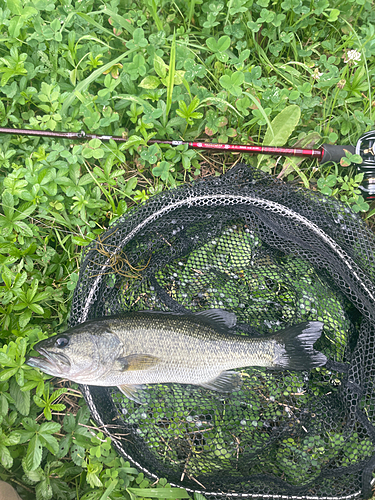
x,y
186,464
196,480
23,486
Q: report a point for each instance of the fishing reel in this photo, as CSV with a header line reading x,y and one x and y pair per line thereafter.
x,y
366,149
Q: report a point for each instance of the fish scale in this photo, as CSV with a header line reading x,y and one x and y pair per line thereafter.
x,y
195,353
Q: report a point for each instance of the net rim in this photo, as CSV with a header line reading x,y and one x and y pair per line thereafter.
x,y
240,199
192,196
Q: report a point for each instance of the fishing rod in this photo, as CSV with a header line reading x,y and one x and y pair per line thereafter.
x,y
365,148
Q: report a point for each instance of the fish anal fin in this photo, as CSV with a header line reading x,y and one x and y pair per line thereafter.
x,y
228,381
136,362
135,393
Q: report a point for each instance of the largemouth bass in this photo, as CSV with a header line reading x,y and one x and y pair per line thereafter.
x,y
138,348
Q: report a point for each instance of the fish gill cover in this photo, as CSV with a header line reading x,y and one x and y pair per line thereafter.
x,y
275,255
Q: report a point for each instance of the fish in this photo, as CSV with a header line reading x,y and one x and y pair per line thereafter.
x,y
135,349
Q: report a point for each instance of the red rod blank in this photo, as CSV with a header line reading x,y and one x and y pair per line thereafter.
x,y
240,148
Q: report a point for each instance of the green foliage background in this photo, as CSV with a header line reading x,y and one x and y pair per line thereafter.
x,y
222,70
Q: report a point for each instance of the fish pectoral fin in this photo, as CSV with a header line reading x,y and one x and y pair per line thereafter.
x,y
136,362
228,381
135,393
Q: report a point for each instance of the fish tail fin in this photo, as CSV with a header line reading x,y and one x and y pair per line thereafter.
x,y
295,349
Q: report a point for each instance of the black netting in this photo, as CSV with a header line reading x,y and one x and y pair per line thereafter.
x,y
275,255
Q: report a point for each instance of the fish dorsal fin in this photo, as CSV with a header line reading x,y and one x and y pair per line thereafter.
x,y
218,318
136,362
135,393
228,381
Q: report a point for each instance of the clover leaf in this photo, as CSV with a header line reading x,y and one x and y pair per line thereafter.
x,y
219,47
162,170
151,154
233,83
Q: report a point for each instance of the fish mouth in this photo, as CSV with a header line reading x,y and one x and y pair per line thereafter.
x,y
49,362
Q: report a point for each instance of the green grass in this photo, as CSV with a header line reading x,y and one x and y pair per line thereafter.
x,y
222,70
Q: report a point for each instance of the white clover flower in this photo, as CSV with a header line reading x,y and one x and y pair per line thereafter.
x,y
352,56
316,75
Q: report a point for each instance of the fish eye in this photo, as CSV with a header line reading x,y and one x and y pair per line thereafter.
x,y
62,342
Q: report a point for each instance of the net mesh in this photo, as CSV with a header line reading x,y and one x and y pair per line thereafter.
x,y
275,255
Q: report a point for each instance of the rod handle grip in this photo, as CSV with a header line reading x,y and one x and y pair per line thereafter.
x,y
332,152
